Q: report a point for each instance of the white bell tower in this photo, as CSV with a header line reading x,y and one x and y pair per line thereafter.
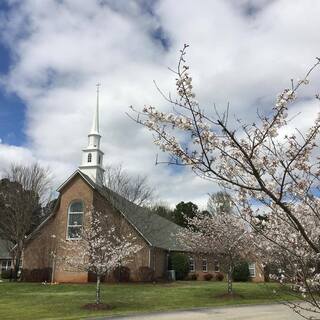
x,y
92,156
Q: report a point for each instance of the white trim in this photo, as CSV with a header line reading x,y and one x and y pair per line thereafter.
x,y
6,267
73,175
93,149
206,265
193,263
252,267
150,257
68,219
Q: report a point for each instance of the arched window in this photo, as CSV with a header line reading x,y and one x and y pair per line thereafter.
x,y
89,157
75,218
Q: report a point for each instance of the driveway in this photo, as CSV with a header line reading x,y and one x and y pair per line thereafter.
x,y
258,312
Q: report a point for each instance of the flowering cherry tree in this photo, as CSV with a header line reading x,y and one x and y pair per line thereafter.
x,y
258,163
224,236
101,248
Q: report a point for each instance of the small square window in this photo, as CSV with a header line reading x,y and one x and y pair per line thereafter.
x,y
204,265
192,266
252,269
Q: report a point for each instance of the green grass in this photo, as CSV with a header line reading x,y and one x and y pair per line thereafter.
x,y
36,301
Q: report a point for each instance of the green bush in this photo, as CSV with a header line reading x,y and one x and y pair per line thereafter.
x,y
219,276
6,274
92,277
241,272
146,274
36,275
121,274
180,263
208,276
193,276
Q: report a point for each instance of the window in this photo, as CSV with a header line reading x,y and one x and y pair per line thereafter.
x,y
204,265
5,265
75,217
89,157
192,266
99,159
216,266
252,269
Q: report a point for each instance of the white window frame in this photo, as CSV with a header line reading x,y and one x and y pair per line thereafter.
x,y
68,220
89,159
192,263
252,269
5,264
204,265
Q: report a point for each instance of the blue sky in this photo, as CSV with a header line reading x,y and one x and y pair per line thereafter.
x,y
12,108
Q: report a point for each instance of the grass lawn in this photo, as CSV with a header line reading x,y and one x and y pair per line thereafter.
x,y
64,301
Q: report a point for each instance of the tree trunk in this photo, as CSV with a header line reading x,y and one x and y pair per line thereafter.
x,y
230,280
16,262
98,289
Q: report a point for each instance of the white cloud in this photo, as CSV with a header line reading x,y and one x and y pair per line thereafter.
x,y
243,51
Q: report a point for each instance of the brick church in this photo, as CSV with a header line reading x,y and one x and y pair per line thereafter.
x,y
84,189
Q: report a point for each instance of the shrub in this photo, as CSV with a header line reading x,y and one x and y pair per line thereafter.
x,y
208,276
180,263
6,274
121,274
36,275
92,277
145,274
219,276
241,272
194,276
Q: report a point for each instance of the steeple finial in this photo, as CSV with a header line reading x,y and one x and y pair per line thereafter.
x,y
95,122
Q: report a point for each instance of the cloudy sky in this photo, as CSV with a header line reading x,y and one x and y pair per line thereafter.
x,y
53,52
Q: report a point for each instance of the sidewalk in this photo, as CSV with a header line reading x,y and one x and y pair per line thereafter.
x,y
255,312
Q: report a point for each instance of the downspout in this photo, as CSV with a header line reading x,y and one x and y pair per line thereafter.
x,y
150,256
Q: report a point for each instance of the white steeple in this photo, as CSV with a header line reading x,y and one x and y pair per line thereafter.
x,y
92,156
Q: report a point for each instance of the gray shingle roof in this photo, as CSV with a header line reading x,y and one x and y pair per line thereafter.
x,y
156,230
4,251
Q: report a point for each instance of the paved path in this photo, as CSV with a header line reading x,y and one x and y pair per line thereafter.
x,y
260,312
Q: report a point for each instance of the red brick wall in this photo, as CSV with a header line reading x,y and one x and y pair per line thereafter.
x,y
37,252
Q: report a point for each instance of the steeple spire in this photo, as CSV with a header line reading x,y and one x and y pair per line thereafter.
x,y
92,156
95,120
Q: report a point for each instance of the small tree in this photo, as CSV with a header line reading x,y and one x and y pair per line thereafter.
x,y
241,271
100,250
224,236
133,188
183,211
180,263
264,161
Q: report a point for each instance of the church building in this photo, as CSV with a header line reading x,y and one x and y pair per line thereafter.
x,y
85,189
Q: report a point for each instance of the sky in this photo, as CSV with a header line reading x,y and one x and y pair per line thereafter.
x,y
53,52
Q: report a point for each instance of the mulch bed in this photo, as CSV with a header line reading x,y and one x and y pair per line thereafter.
x,y
97,307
